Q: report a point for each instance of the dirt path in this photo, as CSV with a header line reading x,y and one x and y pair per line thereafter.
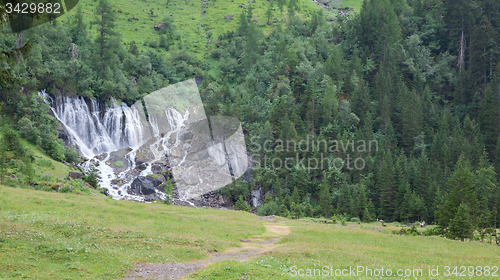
x,y
250,248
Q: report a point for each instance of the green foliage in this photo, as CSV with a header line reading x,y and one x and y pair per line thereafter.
x,y
168,188
268,209
461,226
241,204
71,155
407,230
91,178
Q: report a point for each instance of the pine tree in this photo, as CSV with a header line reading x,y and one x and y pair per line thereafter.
x,y
461,191
325,199
363,204
380,29
283,211
3,161
241,204
281,4
291,8
330,103
386,187
461,226
269,12
106,42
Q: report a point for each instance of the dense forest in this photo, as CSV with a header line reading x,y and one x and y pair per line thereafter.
x,y
418,79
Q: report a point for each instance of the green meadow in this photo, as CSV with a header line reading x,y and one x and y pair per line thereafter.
x,y
47,235
197,30
315,246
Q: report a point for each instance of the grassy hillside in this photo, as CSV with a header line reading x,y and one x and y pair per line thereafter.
x,y
69,236
137,18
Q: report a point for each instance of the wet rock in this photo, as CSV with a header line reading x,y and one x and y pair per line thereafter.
x,y
256,198
144,185
140,167
101,156
190,176
76,175
117,181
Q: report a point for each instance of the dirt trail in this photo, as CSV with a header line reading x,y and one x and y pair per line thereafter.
x,y
250,248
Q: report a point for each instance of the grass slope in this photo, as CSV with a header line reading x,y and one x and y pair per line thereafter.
x,y
46,235
312,245
136,23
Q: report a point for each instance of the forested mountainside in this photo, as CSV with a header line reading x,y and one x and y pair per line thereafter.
x,y
407,93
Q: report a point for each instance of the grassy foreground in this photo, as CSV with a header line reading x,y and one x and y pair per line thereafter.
x,y
46,235
312,245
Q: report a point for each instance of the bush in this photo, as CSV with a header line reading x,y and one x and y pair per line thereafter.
x,y
268,209
71,155
120,164
28,132
91,178
65,189
55,148
169,187
434,231
241,205
11,141
283,211
407,230
355,220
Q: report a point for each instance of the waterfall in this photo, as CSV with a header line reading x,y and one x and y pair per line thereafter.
x,y
115,137
98,128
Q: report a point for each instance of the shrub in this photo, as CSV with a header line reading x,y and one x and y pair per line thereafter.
x,y
283,211
169,187
65,189
91,178
120,164
11,141
407,230
343,222
241,205
355,220
28,132
268,209
434,231
71,155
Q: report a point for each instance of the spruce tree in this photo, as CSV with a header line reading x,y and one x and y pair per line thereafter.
x,y
269,12
330,104
3,161
386,186
106,42
325,199
461,191
461,226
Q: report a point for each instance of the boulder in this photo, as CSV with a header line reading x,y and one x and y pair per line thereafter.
x,y
76,175
144,185
190,176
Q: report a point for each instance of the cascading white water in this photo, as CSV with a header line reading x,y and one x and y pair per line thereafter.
x,y
98,131
177,127
102,129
